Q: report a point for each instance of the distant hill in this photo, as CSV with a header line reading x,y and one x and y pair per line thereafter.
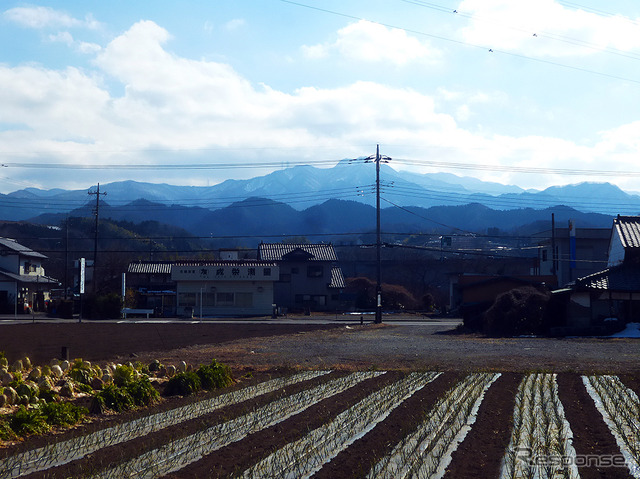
x,y
247,222
302,187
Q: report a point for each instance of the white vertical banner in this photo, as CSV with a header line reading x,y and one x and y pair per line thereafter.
x,y
82,267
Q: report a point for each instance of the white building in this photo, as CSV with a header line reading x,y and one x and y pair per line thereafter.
x,y
22,278
224,288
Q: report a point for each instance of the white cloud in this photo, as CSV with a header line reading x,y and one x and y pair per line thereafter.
x,y
235,24
46,17
371,42
175,108
82,47
62,37
545,27
88,48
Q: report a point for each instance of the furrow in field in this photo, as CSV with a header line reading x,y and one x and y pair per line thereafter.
x,y
594,443
427,451
181,452
620,409
300,459
481,452
542,441
59,453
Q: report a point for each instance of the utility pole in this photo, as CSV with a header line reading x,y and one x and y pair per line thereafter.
x,y
96,212
377,160
378,243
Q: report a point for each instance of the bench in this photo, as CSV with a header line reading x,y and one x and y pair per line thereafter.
x,y
126,311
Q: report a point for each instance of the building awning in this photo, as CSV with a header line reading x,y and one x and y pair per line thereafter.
x,y
27,278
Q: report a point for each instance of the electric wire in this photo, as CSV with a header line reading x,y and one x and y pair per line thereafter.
x,y
531,32
469,44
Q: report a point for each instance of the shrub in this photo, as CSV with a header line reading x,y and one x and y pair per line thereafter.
x,y
63,413
28,421
183,384
143,392
214,376
519,311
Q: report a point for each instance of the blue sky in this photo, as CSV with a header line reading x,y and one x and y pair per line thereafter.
x,y
532,93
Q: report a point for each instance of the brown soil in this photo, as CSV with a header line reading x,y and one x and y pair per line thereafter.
x,y
363,454
125,451
272,349
101,341
481,452
591,436
237,457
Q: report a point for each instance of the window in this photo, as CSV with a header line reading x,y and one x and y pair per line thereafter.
x,y
266,271
315,271
544,255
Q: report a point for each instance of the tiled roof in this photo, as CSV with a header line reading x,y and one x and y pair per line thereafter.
x,y
315,252
624,278
18,248
149,268
628,228
234,262
165,268
337,278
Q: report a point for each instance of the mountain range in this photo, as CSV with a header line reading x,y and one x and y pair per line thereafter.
x,y
309,200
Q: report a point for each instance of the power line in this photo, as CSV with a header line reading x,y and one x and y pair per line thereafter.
x,y
160,166
468,44
534,33
519,169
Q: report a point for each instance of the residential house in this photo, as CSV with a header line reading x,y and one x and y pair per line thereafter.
x,y
578,252
153,287
310,278
23,283
224,288
610,298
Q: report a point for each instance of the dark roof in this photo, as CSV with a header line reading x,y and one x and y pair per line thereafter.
x,y
628,228
310,252
13,245
624,278
337,278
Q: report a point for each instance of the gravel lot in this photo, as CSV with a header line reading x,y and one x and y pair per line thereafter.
x,y
420,346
